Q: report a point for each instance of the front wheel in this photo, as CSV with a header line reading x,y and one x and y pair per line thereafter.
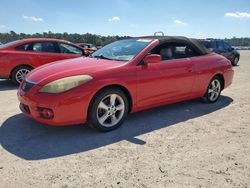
x,y
108,109
213,90
19,74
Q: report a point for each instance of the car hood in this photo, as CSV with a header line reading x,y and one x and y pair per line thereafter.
x,y
60,69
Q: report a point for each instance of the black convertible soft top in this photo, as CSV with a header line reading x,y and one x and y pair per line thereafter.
x,y
195,43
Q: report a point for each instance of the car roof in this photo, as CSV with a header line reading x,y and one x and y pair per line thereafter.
x,y
32,40
193,42
209,39
44,39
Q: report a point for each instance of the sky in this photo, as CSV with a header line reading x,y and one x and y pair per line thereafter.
x,y
191,18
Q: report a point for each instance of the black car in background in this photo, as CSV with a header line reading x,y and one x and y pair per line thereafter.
x,y
222,47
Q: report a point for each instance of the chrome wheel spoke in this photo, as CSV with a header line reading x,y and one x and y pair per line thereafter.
x,y
103,118
210,91
112,100
213,84
212,96
103,106
114,120
120,107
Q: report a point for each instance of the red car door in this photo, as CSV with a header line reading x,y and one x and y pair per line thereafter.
x,y
165,81
47,52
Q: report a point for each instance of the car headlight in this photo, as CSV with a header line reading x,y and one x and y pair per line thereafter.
x,y
65,84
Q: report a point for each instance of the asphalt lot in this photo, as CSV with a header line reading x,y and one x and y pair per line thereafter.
x,y
189,144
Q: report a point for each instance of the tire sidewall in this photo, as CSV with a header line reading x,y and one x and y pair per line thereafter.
x,y
92,118
235,64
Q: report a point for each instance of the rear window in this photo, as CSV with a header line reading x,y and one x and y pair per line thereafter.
x,y
9,44
22,47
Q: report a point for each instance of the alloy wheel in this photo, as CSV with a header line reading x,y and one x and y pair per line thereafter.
x,y
214,90
110,110
20,74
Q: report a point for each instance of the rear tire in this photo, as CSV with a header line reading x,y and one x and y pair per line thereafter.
x,y
108,110
235,61
214,90
19,73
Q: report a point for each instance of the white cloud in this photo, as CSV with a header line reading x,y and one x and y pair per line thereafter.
x,y
180,23
237,14
33,18
2,26
115,18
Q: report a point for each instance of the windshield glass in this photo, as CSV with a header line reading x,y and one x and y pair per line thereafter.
x,y
123,50
9,44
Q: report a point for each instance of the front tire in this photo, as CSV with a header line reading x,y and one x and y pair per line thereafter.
x,y
214,90
108,109
19,74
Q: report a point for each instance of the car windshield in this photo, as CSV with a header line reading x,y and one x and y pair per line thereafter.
x,y
123,50
9,44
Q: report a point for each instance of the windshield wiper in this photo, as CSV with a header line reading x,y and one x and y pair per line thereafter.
x,y
101,57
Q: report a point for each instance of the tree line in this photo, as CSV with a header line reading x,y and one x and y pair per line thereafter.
x,y
75,37
97,40
239,41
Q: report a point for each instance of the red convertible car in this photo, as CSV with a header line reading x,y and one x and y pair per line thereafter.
x,y
122,77
19,57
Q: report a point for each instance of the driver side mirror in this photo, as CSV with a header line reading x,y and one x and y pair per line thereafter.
x,y
152,58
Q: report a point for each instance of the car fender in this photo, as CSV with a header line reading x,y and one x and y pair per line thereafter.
x,y
110,82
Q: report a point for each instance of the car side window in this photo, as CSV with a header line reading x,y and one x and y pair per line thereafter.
x,y
48,47
69,49
220,46
171,51
227,46
37,47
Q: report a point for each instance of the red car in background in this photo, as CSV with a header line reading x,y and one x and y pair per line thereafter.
x,y
124,76
19,57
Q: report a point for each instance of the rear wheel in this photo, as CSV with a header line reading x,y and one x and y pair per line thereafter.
x,y
19,74
108,109
213,90
236,61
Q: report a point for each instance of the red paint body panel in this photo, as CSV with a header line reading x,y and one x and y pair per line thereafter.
x,y
148,85
10,58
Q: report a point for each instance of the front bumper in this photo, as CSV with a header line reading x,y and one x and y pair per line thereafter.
x,y
68,108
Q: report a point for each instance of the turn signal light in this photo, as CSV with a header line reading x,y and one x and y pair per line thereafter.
x,y
45,113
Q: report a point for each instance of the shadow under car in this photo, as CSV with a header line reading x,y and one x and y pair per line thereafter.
x,y
30,140
6,84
